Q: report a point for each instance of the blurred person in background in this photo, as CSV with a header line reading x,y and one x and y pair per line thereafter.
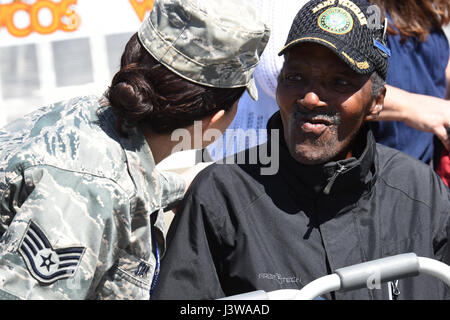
x,y
414,109
81,202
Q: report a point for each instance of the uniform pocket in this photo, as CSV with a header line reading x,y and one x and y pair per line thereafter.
x,y
128,279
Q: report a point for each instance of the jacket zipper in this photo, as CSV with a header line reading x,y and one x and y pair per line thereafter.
x,y
330,183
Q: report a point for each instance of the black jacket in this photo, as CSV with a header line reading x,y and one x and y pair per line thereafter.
x,y
241,231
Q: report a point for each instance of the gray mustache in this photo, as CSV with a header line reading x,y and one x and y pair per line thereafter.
x,y
332,118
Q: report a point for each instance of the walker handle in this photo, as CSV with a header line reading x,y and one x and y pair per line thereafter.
x,y
363,275
368,274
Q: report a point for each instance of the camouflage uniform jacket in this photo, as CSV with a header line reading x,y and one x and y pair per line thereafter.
x,y
77,205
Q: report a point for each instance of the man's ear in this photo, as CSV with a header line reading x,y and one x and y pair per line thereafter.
x,y
377,105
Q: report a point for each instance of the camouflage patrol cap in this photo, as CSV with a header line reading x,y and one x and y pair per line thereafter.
x,y
209,42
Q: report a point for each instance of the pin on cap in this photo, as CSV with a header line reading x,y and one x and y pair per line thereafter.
x,y
381,44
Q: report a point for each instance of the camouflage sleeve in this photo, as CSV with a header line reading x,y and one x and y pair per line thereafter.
x,y
173,187
63,227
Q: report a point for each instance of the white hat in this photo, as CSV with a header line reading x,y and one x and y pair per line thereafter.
x,y
279,15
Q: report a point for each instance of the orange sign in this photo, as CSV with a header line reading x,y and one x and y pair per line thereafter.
x,y
22,18
141,7
63,17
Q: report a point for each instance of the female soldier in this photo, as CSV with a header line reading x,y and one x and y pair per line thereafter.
x,y
81,201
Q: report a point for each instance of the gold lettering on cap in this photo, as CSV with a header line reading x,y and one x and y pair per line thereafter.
x,y
361,65
323,5
356,10
348,58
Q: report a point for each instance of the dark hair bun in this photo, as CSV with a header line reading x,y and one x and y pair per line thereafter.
x,y
129,95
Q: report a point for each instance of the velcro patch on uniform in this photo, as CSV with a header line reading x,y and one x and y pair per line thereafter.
x,y
44,263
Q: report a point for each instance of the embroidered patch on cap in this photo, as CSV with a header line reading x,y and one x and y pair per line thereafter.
x,y
44,263
336,20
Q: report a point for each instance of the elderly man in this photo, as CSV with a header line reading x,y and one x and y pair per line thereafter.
x,y
338,198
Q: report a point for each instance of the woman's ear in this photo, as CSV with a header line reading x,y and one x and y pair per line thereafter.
x,y
213,120
377,105
221,119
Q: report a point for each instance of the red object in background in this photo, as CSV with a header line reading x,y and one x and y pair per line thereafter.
x,y
443,167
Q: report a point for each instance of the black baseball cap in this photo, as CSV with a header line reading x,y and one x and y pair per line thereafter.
x,y
348,28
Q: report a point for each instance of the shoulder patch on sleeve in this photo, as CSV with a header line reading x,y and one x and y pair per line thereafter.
x,y
44,263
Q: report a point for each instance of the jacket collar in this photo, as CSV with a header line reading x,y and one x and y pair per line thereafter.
x,y
147,196
333,177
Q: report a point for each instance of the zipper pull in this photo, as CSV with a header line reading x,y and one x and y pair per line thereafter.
x,y
330,183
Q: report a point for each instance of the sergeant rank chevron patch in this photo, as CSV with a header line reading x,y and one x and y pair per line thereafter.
x,y
44,263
